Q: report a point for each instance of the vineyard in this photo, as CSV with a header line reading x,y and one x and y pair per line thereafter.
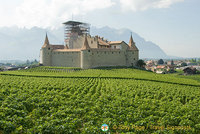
x,y
70,100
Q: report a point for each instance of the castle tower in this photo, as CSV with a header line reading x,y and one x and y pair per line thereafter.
x,y
45,53
132,44
132,53
74,29
86,57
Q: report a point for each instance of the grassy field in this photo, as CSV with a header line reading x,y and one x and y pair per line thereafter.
x,y
71,100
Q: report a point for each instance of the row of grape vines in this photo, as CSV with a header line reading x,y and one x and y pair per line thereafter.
x,y
82,105
103,73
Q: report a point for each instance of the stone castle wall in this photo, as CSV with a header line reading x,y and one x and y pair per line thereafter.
x,y
66,59
89,58
95,58
132,57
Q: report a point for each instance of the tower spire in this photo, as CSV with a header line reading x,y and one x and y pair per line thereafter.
x,y
132,43
85,45
46,42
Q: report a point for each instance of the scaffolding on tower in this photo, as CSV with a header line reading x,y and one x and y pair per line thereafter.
x,y
73,29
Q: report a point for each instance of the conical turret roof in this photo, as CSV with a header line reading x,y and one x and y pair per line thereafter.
x,y
46,42
85,44
132,44
66,47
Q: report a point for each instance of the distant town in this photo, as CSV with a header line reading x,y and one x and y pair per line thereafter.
x,y
161,66
16,65
187,66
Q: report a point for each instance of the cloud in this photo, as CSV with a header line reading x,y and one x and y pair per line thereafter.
x,y
141,5
51,13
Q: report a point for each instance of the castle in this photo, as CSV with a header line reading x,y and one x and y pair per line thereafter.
x,y
82,50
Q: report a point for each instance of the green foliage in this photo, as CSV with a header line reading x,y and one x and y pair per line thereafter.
x,y
57,101
161,61
183,64
141,63
66,72
193,60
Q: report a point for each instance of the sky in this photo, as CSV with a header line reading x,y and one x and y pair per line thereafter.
x,y
174,25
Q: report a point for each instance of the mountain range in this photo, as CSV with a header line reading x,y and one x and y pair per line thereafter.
x,y
22,43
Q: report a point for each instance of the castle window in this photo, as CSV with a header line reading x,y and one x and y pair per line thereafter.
x,y
91,41
112,52
105,52
119,52
49,48
134,59
114,47
92,53
132,52
88,50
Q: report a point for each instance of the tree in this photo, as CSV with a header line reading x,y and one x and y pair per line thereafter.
x,y
193,60
160,62
141,63
172,62
183,64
